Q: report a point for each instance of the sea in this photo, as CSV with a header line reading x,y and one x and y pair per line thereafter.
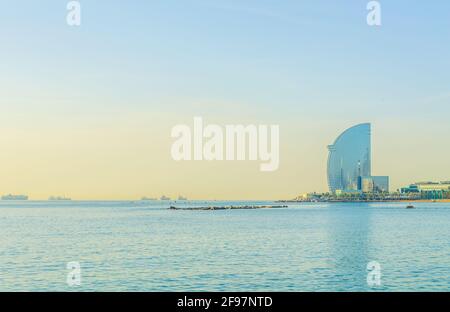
x,y
144,246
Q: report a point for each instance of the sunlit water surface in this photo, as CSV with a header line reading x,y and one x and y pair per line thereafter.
x,y
143,246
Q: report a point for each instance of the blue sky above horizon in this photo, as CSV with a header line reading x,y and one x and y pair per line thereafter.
x,y
314,67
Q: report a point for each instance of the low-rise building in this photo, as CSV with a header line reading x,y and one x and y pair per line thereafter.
x,y
374,184
429,190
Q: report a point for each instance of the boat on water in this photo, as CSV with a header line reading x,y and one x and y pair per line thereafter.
x,y
182,197
410,207
164,197
14,197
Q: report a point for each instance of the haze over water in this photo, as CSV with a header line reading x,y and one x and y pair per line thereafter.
x,y
142,246
92,106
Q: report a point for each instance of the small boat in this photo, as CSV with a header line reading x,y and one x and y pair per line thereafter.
x,y
410,207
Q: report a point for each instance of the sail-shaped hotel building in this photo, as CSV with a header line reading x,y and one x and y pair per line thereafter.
x,y
350,163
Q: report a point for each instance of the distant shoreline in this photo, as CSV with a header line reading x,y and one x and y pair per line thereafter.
x,y
234,201
431,201
370,201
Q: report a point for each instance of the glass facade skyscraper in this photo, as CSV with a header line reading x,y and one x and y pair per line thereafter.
x,y
350,158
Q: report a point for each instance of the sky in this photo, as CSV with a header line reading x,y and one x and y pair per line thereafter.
x,y
87,111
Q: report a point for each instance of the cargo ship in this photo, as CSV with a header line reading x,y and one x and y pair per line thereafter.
x,y
14,197
59,198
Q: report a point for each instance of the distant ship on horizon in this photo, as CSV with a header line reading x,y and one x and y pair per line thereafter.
x,y
14,197
164,197
182,198
147,198
59,198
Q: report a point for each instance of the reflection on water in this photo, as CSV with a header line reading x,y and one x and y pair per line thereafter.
x,y
143,246
349,230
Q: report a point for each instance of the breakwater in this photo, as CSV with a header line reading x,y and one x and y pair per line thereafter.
x,y
228,207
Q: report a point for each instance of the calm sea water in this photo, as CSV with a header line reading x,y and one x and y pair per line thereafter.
x,y
142,246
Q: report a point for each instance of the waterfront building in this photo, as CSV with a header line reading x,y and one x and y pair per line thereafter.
x,y
349,163
428,190
349,158
367,185
374,184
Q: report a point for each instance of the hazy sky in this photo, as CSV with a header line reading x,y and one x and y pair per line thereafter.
x,y
86,111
